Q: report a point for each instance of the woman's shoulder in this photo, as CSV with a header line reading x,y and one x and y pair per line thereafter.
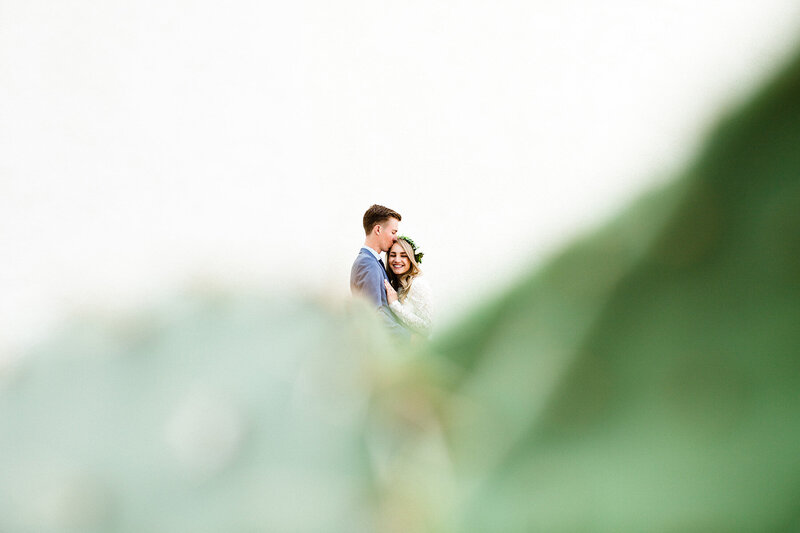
x,y
421,278
420,284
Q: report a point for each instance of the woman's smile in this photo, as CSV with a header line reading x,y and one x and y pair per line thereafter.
x,y
398,259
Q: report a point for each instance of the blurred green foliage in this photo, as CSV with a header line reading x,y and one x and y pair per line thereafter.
x,y
646,379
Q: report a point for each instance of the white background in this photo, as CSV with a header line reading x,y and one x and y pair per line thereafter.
x,y
152,146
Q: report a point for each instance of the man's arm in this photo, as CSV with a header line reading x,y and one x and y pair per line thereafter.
x,y
367,280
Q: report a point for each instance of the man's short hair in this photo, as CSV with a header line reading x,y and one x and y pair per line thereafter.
x,y
378,214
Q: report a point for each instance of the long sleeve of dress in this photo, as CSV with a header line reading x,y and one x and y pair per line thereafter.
x,y
416,311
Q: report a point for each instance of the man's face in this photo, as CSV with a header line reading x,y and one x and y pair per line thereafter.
x,y
388,234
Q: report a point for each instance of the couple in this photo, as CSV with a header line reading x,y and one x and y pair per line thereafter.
x,y
397,288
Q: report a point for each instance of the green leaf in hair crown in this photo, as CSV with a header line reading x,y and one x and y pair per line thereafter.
x,y
417,254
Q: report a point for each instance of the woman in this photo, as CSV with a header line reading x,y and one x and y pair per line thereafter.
x,y
408,293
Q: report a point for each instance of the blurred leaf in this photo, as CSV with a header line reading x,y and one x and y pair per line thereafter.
x,y
648,378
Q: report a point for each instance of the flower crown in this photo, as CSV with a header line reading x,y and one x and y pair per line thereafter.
x,y
417,254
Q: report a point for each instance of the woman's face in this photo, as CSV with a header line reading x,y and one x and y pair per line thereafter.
x,y
398,259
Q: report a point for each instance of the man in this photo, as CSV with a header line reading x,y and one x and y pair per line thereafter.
x,y
368,273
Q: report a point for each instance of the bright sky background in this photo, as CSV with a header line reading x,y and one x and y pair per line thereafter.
x,y
150,146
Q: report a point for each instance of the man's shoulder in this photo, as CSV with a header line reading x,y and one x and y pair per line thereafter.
x,y
368,256
366,264
364,258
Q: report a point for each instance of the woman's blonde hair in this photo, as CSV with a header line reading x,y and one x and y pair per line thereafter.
x,y
402,283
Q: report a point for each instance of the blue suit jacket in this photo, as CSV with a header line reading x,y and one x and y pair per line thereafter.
x,y
366,279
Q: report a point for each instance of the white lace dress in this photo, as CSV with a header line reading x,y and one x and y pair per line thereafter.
x,y
416,311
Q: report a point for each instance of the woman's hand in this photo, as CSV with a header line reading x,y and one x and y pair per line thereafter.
x,y
391,294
